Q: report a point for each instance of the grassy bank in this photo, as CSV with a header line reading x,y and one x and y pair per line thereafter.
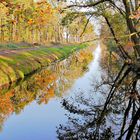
x,y
18,64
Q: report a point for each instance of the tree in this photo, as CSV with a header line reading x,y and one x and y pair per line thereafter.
x,y
123,8
33,22
112,12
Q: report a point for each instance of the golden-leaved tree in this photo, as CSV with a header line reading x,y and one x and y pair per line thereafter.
x,y
33,22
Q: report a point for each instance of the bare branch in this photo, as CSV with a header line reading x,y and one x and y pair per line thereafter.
x,y
122,12
86,25
87,5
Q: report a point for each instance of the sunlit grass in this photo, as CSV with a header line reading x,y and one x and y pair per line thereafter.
x,y
19,64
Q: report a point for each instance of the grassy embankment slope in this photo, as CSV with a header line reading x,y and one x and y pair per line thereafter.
x,y
16,64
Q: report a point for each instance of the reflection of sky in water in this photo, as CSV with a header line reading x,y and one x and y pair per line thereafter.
x,y
38,122
84,83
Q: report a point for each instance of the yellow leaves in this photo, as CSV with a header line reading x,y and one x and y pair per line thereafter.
x,y
81,56
41,12
30,21
13,21
44,8
5,103
41,16
48,9
21,74
128,62
55,56
49,61
129,46
44,13
136,14
51,78
51,91
42,2
58,9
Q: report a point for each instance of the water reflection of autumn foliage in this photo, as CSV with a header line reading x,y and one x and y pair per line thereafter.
x,y
6,107
48,83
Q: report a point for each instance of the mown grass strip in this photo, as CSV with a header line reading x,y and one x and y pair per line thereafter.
x,y
17,65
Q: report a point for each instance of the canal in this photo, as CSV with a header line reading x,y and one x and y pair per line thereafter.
x,y
33,109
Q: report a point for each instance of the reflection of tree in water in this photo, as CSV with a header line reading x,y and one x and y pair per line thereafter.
x,y
113,117
6,107
44,85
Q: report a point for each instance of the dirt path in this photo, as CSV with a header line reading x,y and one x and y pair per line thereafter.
x,y
15,51
5,52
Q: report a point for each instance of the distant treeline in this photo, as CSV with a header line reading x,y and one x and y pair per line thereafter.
x,y
39,22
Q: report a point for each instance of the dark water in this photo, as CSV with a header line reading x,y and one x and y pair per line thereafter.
x,y
33,109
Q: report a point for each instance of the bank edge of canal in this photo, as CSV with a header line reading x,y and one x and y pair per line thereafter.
x,y
16,65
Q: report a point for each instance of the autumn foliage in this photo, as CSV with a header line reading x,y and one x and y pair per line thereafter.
x,y
33,22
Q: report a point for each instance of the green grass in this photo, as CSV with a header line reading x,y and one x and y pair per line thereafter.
x,y
11,46
17,65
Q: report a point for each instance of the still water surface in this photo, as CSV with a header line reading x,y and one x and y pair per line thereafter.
x,y
33,109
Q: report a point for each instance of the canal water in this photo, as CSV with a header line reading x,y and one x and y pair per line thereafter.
x,y
33,109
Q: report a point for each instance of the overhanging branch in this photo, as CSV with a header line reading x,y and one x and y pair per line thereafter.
x,y
86,25
86,5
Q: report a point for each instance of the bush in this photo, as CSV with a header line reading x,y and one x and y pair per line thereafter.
x,y
12,46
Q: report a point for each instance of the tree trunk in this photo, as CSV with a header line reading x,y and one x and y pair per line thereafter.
x,y
135,38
